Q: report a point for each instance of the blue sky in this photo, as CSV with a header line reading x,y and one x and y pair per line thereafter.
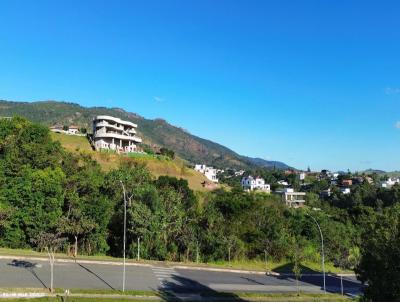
x,y
306,82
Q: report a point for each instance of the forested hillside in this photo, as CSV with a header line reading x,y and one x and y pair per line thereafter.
x,y
159,132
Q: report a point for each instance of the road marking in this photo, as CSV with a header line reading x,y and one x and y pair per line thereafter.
x,y
163,274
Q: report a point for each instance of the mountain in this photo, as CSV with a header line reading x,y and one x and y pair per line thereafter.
x,y
154,132
260,162
371,171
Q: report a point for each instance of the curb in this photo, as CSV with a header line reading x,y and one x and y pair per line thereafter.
x,y
275,274
62,260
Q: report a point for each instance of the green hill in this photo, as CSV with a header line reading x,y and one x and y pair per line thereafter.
x,y
157,165
158,132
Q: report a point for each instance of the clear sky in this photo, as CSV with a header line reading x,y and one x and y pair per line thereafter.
x,y
305,82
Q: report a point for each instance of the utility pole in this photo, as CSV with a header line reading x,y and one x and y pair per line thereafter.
x,y
341,284
322,249
123,274
138,248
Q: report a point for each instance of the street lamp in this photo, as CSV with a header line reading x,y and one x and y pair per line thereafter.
x,y
138,248
322,249
123,274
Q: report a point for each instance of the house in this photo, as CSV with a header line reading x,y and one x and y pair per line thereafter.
x,y
325,174
73,130
302,176
347,182
251,183
111,133
282,183
369,179
209,172
292,199
326,193
57,129
239,173
345,190
390,182
358,180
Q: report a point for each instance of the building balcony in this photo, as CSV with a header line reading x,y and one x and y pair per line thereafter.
x,y
108,125
102,134
115,120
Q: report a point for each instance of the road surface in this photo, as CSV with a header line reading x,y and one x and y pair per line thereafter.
x,y
36,274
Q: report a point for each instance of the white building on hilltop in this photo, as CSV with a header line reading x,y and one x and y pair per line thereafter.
x,y
111,133
209,172
251,183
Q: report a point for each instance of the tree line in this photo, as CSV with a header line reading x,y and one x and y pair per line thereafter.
x,y
45,189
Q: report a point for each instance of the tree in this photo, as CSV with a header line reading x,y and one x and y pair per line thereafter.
x,y
77,225
230,242
49,242
297,257
379,265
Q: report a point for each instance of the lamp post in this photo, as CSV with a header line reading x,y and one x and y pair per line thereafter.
x,y
123,274
138,248
322,249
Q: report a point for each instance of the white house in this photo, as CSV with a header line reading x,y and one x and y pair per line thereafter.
x,y
282,183
390,182
251,183
111,133
345,190
239,173
73,130
209,172
291,198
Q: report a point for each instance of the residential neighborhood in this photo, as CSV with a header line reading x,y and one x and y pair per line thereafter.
x,y
200,151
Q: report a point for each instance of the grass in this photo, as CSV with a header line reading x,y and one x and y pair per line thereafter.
x,y
157,165
109,295
72,142
71,299
233,297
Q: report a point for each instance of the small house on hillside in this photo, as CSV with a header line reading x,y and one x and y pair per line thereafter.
x,y
73,129
57,129
347,182
208,172
291,198
251,183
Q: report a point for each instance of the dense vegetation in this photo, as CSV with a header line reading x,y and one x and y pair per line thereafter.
x,y
154,132
45,189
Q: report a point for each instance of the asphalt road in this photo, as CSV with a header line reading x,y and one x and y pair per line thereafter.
x,y
36,274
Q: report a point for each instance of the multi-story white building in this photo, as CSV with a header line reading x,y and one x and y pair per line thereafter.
x,y
111,133
251,183
291,198
209,172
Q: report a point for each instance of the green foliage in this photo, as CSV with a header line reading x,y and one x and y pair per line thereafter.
x,y
167,152
380,261
46,190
